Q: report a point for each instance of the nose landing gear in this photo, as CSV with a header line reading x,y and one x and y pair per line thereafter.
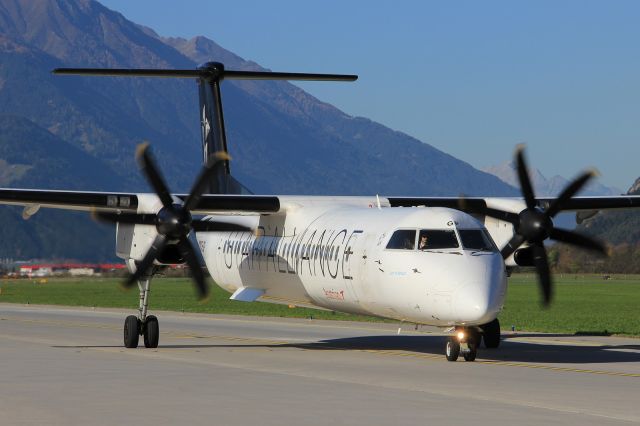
x,y
465,341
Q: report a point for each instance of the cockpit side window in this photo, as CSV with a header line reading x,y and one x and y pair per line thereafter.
x,y
403,239
476,239
437,239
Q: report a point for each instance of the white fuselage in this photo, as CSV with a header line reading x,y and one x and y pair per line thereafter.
x,y
336,257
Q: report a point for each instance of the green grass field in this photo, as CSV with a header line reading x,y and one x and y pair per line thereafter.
x,y
167,294
583,304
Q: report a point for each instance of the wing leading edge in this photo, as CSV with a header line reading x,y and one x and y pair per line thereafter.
x,y
477,204
129,202
263,204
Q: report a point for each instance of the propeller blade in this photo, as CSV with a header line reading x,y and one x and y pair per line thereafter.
x,y
213,226
523,177
513,218
143,267
579,240
544,274
569,192
513,244
205,175
130,218
189,255
152,173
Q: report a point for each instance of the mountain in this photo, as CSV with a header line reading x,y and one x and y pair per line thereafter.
x,y
616,227
43,161
635,188
282,139
619,229
546,187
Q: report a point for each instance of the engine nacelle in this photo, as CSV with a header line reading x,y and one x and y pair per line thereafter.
x,y
133,241
524,257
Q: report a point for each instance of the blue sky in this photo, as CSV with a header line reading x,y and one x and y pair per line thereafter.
x,y
470,78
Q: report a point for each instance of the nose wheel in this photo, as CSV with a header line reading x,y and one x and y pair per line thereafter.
x,y
465,341
453,349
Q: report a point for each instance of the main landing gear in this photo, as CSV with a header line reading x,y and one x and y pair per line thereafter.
x,y
464,341
142,325
491,334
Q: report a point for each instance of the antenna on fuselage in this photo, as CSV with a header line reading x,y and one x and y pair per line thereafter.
x,y
209,76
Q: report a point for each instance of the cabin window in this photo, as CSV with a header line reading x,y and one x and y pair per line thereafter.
x,y
476,239
403,239
437,239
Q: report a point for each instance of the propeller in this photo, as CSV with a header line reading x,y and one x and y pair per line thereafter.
x,y
534,225
173,221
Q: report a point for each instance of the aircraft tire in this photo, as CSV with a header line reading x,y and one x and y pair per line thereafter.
x,y
491,332
471,354
452,349
131,331
151,332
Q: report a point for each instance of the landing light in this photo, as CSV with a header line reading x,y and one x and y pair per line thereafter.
x,y
460,335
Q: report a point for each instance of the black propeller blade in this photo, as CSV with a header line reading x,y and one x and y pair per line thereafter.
x,y
533,225
173,222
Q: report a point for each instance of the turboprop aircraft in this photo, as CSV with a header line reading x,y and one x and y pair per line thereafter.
x,y
425,260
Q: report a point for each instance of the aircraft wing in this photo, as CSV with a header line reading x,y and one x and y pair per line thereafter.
x,y
478,204
131,202
211,204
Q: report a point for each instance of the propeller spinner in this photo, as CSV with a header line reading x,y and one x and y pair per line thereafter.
x,y
173,222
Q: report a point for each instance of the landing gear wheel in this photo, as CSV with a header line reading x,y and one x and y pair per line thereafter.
x,y
131,331
491,332
475,337
151,332
471,353
453,349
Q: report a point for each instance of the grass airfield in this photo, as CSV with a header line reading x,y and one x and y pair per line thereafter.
x,y
583,304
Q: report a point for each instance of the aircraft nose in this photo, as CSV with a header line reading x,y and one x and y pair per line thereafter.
x,y
480,301
472,303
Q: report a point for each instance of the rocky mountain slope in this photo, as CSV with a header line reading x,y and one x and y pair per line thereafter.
x,y
282,139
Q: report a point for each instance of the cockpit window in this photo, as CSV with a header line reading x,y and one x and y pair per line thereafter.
x,y
476,239
436,239
403,239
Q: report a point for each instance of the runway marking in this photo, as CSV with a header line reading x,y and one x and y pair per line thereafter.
x,y
450,394
301,322
556,342
391,352
564,369
629,351
309,346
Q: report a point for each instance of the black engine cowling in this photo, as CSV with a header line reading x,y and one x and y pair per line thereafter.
x,y
524,257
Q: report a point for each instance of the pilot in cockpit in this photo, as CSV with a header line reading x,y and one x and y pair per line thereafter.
x,y
423,244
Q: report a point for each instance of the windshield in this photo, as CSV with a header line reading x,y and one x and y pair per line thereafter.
x,y
476,239
436,239
403,239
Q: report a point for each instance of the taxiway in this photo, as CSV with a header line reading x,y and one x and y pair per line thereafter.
x,y
67,366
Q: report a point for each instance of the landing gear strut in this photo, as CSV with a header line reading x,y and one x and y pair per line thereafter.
x,y
142,325
465,341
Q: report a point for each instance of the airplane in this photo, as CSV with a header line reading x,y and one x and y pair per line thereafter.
x,y
440,261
